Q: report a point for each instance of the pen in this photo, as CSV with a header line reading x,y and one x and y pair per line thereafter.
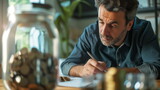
x,y
94,58
91,55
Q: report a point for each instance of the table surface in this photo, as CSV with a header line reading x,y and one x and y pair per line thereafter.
x,y
65,88
60,87
57,88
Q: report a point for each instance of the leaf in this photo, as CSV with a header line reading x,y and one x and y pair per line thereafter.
x,y
61,22
73,6
57,21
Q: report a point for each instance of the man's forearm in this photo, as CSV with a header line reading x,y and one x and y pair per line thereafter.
x,y
76,71
131,70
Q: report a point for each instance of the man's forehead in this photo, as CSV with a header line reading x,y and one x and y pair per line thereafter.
x,y
110,16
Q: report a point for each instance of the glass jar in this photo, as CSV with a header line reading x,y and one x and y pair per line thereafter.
x,y
30,48
140,81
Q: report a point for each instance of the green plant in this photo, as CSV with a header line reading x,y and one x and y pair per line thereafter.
x,y
62,23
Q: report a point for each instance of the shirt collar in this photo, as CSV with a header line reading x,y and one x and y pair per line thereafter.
x,y
127,39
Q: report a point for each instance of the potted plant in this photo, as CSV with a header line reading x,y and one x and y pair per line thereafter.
x,y
62,24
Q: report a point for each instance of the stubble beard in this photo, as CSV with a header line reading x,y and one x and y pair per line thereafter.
x,y
110,41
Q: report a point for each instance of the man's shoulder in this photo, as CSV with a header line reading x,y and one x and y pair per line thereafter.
x,y
141,24
142,31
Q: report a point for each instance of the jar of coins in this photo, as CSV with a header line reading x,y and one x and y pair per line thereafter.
x,y
30,48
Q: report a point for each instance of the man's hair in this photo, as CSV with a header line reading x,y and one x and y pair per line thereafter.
x,y
128,6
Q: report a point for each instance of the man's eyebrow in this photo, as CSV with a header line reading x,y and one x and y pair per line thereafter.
x,y
100,19
113,22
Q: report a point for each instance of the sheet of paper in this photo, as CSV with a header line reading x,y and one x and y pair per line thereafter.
x,y
76,82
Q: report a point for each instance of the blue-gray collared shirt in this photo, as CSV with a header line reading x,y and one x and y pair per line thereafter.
x,y
140,49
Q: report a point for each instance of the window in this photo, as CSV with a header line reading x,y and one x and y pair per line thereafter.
x,y
14,2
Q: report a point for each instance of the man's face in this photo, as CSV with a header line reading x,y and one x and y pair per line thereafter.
x,y
112,27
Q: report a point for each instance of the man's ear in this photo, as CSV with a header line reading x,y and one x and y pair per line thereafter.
x,y
129,25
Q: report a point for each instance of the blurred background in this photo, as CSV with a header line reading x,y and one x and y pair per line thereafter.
x,y
78,17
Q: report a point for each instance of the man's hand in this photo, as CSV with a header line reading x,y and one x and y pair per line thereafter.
x,y
90,68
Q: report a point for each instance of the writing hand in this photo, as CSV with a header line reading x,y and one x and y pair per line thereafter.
x,y
93,67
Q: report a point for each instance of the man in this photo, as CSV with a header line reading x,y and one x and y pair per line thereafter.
x,y
118,39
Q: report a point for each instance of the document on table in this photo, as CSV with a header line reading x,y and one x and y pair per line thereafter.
x,y
77,82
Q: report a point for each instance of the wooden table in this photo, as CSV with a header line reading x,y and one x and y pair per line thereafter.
x,y
65,88
57,88
1,85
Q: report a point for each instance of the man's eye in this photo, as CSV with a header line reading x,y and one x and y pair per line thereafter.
x,y
114,25
101,22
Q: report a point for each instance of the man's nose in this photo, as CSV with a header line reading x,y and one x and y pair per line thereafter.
x,y
105,30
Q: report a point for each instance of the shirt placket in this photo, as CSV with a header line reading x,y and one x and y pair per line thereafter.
x,y
118,55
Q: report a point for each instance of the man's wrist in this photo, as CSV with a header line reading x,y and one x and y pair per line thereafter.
x,y
76,71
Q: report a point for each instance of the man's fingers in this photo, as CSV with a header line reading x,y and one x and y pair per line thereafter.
x,y
101,66
93,70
